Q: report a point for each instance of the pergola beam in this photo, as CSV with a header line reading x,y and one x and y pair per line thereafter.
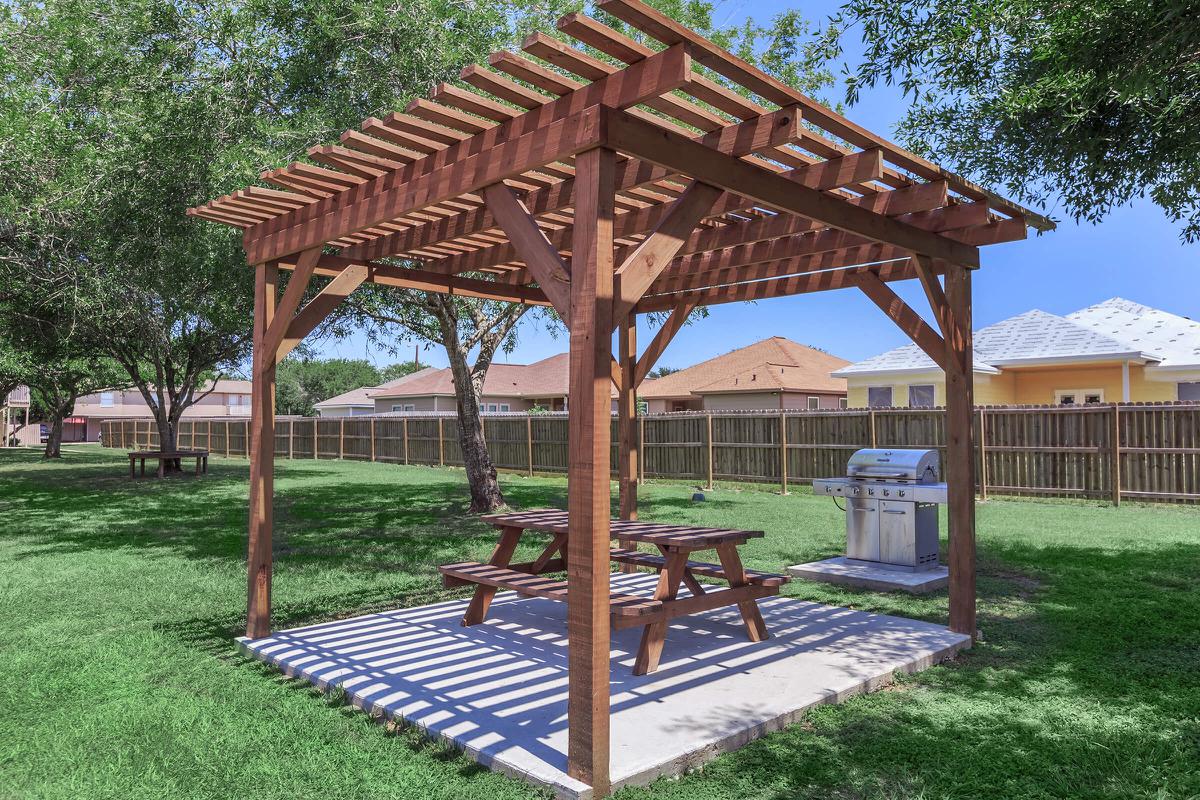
x,y
679,154
775,287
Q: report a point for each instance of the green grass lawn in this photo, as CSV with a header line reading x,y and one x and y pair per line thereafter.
x,y
119,601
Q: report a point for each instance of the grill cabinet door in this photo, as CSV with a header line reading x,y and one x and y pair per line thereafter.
x,y
862,528
898,533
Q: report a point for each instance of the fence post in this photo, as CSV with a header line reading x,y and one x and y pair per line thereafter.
x,y
871,421
983,470
709,441
315,439
291,437
405,420
227,438
642,454
372,439
783,452
342,439
441,445
529,442
1116,455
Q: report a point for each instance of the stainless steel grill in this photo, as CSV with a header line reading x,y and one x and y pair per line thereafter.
x,y
891,507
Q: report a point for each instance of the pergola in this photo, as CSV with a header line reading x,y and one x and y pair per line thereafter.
x,y
608,180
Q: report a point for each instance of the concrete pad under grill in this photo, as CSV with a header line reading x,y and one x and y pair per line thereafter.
x,y
841,571
498,690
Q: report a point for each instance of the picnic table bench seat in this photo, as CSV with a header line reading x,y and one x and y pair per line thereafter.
x,y
620,605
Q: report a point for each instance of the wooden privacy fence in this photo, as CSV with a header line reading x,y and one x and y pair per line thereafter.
x,y
1113,451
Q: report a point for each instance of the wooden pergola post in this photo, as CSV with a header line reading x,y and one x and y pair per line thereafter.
x,y
627,418
960,451
261,445
588,441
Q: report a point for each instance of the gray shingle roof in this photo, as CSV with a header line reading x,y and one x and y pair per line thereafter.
x,y
1173,339
1039,336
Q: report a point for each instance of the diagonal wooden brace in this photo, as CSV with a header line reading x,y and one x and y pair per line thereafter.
x,y
903,315
540,257
655,252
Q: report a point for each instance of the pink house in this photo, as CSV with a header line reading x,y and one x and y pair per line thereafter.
x,y
229,398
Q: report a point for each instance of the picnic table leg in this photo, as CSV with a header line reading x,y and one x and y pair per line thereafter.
x,y
143,467
477,610
655,634
162,467
197,465
735,573
132,473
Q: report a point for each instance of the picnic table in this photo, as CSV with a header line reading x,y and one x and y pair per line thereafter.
x,y
675,544
201,457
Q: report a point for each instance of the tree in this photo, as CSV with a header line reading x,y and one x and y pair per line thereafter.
x,y
50,352
107,134
662,372
398,370
1096,102
301,384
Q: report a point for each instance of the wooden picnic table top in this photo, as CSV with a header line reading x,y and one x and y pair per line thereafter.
x,y
168,454
656,533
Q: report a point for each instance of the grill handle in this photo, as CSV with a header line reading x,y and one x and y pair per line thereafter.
x,y
880,474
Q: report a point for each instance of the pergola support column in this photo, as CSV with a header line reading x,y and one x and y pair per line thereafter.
x,y
589,440
628,448
960,456
262,456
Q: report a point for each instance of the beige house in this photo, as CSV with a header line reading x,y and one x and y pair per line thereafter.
x,y
228,398
507,388
773,373
1117,350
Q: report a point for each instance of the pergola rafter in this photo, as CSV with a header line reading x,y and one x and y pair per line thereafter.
x,y
606,179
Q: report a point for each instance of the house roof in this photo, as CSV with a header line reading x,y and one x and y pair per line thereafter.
x,y
774,364
1174,340
229,386
546,378
362,396
1101,332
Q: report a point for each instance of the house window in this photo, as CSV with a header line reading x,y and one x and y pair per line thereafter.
x,y
491,407
920,396
1076,397
233,400
814,402
1189,391
106,400
843,402
504,407
879,396
405,407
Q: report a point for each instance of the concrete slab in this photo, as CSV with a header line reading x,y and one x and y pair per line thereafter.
x,y
498,691
839,570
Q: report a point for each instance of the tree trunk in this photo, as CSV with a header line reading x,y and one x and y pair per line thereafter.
x,y
481,473
166,440
54,440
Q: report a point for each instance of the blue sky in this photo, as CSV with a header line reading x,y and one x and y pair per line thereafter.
x,y
1135,253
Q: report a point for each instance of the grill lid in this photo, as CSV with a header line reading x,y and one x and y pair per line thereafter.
x,y
921,466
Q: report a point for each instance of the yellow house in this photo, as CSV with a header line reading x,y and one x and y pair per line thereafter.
x,y
1117,350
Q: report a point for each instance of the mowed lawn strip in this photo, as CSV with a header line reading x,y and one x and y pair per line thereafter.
x,y
119,601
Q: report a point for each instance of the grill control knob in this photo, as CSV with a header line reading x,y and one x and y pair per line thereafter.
x,y
899,493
